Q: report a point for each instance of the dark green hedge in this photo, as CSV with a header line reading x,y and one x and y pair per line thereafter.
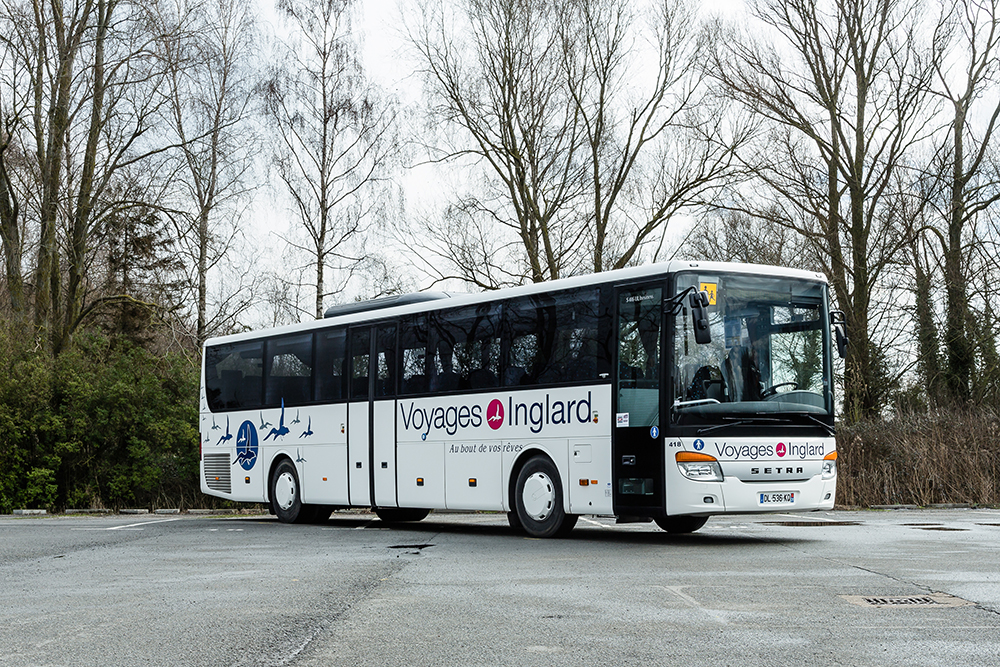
x,y
104,424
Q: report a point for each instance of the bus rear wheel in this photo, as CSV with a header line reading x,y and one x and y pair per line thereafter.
x,y
678,525
286,495
400,514
538,500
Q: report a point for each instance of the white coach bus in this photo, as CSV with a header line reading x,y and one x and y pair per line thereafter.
x,y
668,393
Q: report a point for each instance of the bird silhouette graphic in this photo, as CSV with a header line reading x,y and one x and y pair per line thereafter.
x,y
296,420
246,445
309,429
496,416
214,425
247,456
227,437
263,424
282,430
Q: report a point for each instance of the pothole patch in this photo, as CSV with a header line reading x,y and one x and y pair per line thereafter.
x,y
411,549
410,546
811,523
931,601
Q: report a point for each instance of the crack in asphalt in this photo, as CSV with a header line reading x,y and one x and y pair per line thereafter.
x,y
830,559
358,593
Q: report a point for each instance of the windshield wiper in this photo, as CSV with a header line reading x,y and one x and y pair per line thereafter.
x,y
709,429
733,421
757,419
812,418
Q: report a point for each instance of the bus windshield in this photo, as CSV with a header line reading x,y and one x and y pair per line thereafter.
x,y
769,352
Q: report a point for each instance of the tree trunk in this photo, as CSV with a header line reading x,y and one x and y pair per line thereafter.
x,y
959,349
10,235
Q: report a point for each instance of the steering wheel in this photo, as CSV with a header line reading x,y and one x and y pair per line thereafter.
x,y
773,389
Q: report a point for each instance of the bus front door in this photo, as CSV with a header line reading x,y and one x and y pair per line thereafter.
x,y
637,445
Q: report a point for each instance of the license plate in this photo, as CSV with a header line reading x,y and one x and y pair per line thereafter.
x,y
776,498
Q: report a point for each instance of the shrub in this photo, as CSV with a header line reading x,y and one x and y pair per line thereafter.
x,y
921,458
106,423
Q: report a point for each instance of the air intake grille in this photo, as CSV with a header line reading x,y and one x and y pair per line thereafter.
x,y
217,475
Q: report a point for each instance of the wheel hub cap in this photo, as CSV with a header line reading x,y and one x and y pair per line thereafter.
x,y
539,496
285,491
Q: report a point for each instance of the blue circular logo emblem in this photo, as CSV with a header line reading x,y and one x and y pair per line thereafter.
x,y
246,445
699,444
654,432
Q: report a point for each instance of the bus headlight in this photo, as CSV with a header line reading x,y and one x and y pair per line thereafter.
x,y
699,467
830,465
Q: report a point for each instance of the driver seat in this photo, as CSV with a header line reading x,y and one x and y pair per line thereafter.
x,y
706,383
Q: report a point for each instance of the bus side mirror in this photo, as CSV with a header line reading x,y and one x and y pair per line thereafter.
x,y
699,316
838,322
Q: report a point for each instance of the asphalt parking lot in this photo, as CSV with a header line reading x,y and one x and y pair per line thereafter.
x,y
902,587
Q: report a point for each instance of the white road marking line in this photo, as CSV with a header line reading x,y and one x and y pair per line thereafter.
x,y
594,523
144,523
676,590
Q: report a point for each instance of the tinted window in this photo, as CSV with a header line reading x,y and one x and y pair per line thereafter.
x,y
331,357
361,341
385,360
556,338
417,364
234,376
289,364
640,312
465,348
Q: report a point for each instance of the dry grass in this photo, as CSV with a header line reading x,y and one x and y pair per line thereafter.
x,y
921,459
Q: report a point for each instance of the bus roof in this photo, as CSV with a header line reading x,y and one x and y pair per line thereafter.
x,y
385,307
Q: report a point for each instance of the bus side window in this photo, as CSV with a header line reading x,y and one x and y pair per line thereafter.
x,y
555,338
576,345
331,353
521,321
466,347
289,365
234,376
413,344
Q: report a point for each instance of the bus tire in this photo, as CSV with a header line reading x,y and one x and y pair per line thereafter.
x,y
400,514
286,494
538,499
678,525
320,513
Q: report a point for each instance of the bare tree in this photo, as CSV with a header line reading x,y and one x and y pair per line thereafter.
x,y
734,236
846,92
590,121
334,134
655,144
984,321
13,107
494,68
90,79
211,90
967,69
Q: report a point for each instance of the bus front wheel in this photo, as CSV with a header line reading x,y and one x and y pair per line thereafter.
x,y
677,525
538,500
